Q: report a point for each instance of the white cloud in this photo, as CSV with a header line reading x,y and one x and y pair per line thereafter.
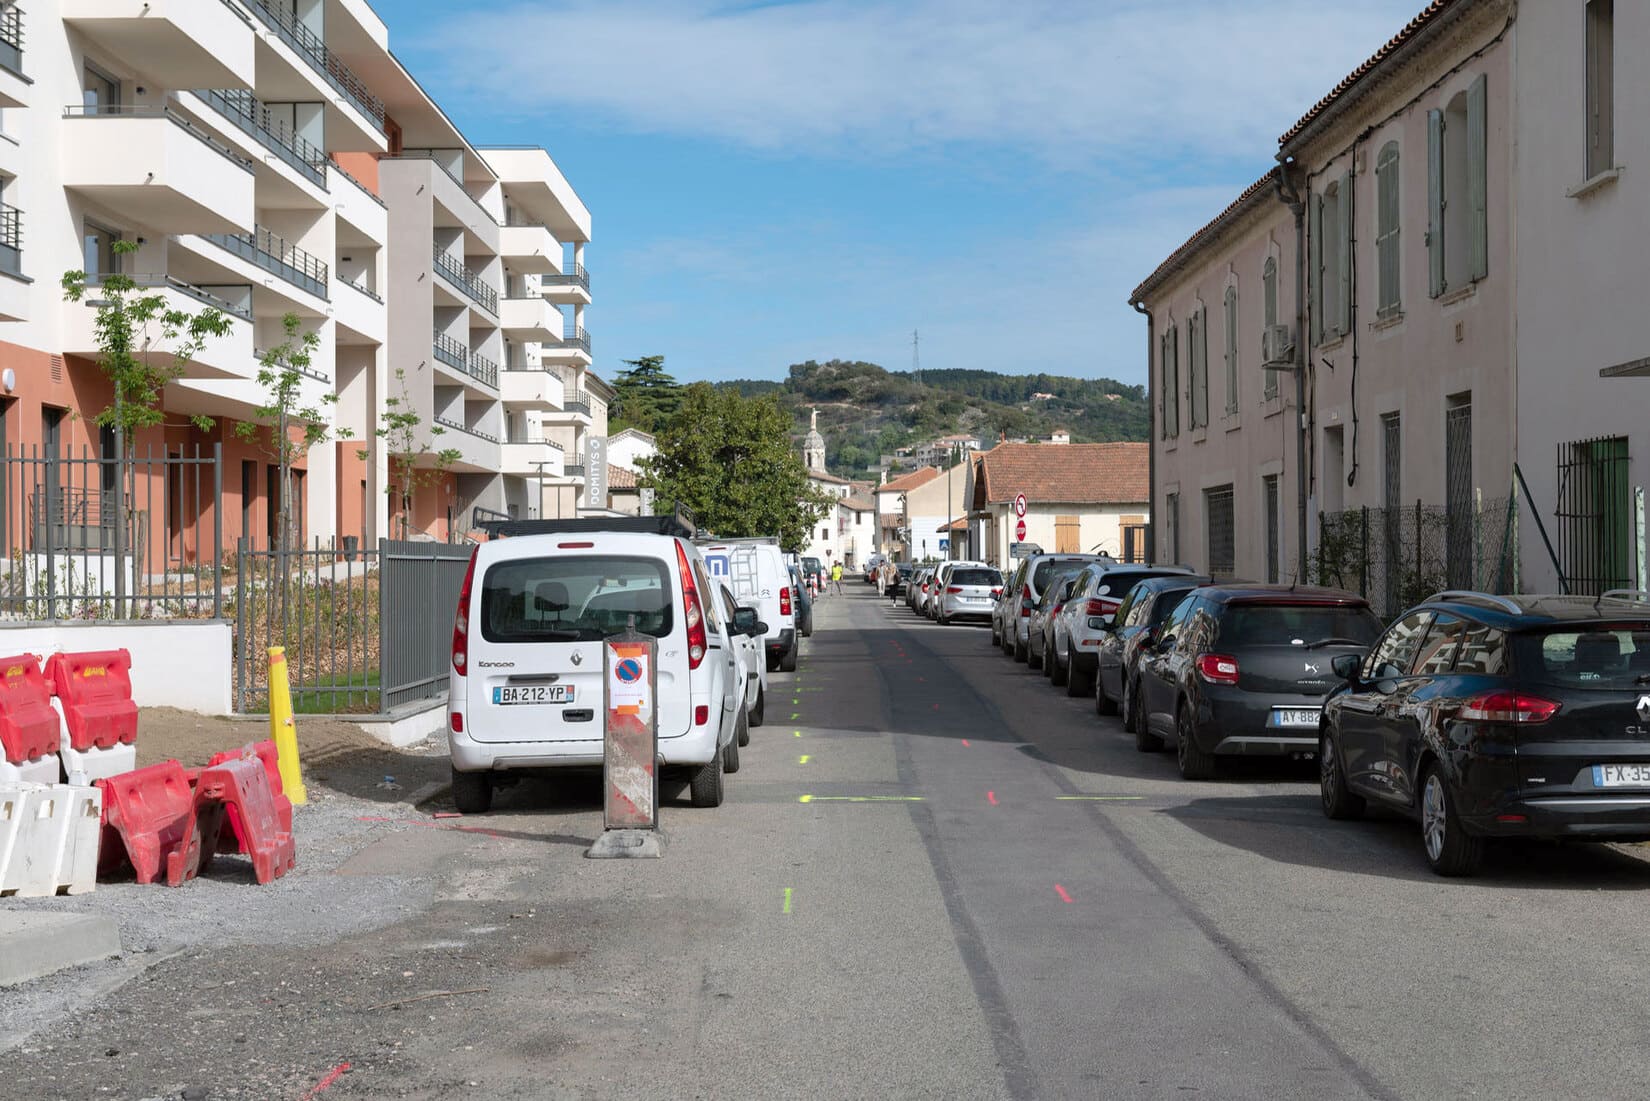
x,y
1068,82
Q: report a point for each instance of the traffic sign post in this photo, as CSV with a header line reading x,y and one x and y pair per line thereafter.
x,y
1020,530
1020,504
630,748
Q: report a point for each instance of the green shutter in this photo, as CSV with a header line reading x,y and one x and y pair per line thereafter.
x,y
1314,268
1231,351
1435,202
1478,222
1343,237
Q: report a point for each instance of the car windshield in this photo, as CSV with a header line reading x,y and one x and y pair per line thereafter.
x,y
976,576
1296,624
571,599
1054,567
1607,656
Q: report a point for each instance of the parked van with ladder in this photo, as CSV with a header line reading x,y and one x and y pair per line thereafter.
x,y
756,571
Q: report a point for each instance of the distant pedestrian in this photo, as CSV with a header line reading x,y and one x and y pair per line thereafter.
x,y
836,577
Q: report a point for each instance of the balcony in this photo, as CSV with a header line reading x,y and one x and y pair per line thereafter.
x,y
527,248
469,284
533,388
230,356
191,43
472,365
532,459
156,167
309,46
14,87
530,318
274,134
478,452
573,470
573,347
567,286
14,292
274,255
361,315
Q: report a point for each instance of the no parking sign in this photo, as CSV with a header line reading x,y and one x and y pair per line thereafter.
x,y
630,749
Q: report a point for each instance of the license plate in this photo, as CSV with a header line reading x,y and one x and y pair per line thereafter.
x,y
532,693
1621,776
1294,717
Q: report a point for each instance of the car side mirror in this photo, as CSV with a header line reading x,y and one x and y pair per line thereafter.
x,y
745,621
1346,667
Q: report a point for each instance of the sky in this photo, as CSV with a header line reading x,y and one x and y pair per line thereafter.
x,y
772,181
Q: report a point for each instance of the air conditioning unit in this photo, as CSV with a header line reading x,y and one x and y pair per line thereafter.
x,y
1277,347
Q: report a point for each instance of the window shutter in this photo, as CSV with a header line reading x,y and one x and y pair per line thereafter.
x,y
1435,202
1478,222
1163,387
1197,333
1314,268
1231,351
1343,236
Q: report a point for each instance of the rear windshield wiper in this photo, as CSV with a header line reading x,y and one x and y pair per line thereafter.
x,y
1332,642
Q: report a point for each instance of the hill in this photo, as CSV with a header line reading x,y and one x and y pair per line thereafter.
x,y
866,411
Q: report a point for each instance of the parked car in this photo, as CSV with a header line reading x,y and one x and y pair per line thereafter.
x,y
967,592
1086,620
1049,605
937,587
872,565
813,570
525,685
918,588
1491,716
1134,626
1011,618
804,605
753,664
1244,669
756,571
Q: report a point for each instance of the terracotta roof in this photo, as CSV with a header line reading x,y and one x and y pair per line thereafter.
x,y
859,503
914,480
822,476
959,524
1073,473
620,478
1414,27
1252,196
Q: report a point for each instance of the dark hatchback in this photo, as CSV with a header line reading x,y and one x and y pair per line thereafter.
x,y
1493,716
1134,626
1243,670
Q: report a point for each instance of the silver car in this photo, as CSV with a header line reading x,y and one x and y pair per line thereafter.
x,y
1020,596
966,591
1076,634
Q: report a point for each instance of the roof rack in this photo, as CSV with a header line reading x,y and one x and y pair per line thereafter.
x,y
1625,594
1506,604
680,523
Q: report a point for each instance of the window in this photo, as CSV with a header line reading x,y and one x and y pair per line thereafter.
x,y
568,599
1169,401
824,535
1601,90
1395,653
1457,218
1218,523
1067,535
1171,526
1197,353
1437,653
1389,300
1273,515
1231,352
1458,490
98,250
1483,652
1595,515
1332,260
1392,501
1269,293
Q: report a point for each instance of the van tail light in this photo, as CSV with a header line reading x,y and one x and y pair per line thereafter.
x,y
461,620
1217,668
701,715
1507,707
1101,605
953,589
785,600
694,614
457,722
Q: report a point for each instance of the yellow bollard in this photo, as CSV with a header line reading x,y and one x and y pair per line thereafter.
x,y
282,728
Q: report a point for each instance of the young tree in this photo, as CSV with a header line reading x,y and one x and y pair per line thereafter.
x,y
645,396
730,460
404,436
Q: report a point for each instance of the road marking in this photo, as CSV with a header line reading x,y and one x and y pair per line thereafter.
x,y
795,715
802,760
796,703
787,907
1099,798
965,742
332,1076
860,799
1061,891
991,797
798,733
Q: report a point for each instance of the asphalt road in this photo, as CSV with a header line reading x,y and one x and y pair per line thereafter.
x,y
935,877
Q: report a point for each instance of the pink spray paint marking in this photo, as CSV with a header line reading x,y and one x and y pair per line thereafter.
x,y
965,743
991,797
332,1076
1061,891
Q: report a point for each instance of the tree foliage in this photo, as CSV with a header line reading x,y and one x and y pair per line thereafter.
x,y
645,396
407,441
730,459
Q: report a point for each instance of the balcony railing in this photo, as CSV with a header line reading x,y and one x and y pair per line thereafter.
x,y
573,338
469,283
577,402
456,427
155,111
573,470
11,240
306,42
370,294
151,279
455,355
277,256
11,39
274,134
483,370
578,277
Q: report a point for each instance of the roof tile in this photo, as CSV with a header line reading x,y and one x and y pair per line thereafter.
x,y
1077,473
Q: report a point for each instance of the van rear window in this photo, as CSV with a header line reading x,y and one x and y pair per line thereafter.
x,y
574,599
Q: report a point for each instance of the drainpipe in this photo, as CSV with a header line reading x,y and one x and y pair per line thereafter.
x,y
1290,196
1151,435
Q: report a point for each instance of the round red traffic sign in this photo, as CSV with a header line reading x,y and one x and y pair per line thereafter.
x,y
1019,504
1020,530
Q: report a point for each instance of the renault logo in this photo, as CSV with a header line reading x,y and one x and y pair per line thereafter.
x,y
578,659
1644,708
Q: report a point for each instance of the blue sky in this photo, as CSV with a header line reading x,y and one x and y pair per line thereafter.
x,y
777,181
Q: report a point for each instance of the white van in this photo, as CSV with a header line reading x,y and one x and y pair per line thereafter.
x,y
755,570
526,676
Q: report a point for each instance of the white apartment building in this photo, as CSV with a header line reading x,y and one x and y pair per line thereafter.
x,y
272,157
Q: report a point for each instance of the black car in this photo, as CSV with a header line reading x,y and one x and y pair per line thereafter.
x,y
1133,626
804,606
1492,716
1243,670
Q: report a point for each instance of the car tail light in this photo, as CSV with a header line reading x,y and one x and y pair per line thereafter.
x,y
785,600
574,546
694,614
953,588
461,619
1217,668
1025,606
458,722
1101,605
997,592
701,715
1507,707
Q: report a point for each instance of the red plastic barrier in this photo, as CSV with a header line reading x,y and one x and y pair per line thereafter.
x,y
150,812
95,689
233,837
242,786
28,725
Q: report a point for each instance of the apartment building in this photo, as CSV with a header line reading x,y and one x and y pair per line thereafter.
x,y
267,158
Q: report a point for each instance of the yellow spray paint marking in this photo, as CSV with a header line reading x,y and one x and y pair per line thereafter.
x,y
787,908
806,799
1099,798
802,760
798,733
796,703
860,799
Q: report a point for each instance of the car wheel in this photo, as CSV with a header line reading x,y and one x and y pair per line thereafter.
x,y
787,664
1195,764
472,792
1078,682
759,714
741,735
1126,706
996,635
705,785
1034,660
1338,802
1450,849
1022,650
1059,674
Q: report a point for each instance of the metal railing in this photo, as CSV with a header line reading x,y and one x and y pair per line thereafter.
x,y
156,111
578,402
306,42
483,370
1398,556
11,240
576,338
151,279
573,470
365,190
456,427
247,112
451,352
277,256
11,39
370,294
578,277
466,281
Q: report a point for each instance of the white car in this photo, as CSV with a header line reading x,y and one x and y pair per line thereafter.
x,y
755,570
1082,625
967,591
937,585
525,685
753,665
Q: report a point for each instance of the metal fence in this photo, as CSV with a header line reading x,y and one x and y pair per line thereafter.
x,y
1399,556
91,537
1595,517
364,631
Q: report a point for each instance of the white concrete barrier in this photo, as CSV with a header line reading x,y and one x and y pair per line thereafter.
x,y
49,837
187,664
13,796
